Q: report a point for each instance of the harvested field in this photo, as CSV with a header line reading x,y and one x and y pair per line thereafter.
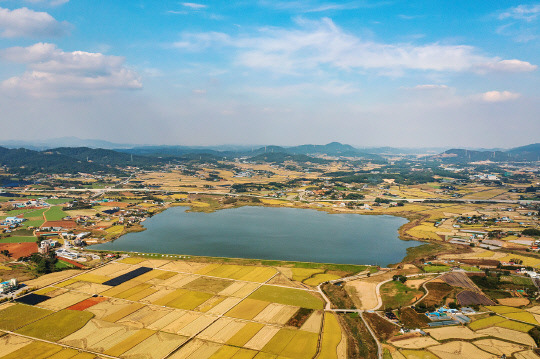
x,y
459,350
19,315
144,317
87,287
123,312
132,260
224,329
166,320
179,280
112,269
498,347
181,266
414,342
85,304
182,321
276,314
208,284
331,338
223,307
468,297
107,307
51,278
154,263
196,326
196,349
527,354
96,331
126,343
155,347
366,293
415,354
452,333
247,309
513,302
63,301
534,310
210,303
262,337
239,289
57,325
313,323
459,279
508,334
10,343
289,296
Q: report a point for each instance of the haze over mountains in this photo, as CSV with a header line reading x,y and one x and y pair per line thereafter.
x,y
86,159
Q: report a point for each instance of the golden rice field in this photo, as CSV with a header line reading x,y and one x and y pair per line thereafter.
x,y
172,310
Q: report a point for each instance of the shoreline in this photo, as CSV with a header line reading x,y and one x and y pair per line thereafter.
x,y
411,217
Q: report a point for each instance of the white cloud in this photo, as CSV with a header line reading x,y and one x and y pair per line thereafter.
x,y
309,6
316,44
24,22
499,96
194,6
49,2
522,12
506,66
52,72
430,87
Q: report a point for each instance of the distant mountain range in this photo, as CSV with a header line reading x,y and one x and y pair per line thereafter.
x,y
523,153
85,159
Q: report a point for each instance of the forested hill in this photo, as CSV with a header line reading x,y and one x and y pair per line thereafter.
x,y
24,161
524,153
104,157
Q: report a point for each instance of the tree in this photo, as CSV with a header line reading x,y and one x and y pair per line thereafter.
x,y
6,253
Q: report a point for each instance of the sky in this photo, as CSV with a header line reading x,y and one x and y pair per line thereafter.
x,y
367,73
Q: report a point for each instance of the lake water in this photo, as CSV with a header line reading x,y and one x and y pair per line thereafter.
x,y
271,233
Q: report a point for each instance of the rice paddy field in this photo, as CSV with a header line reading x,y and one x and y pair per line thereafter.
x,y
153,309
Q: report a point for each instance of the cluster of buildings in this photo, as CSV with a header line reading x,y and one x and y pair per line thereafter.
x,y
445,316
9,286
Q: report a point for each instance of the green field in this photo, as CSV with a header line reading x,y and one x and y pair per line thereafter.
x,y
57,325
18,239
396,294
288,296
54,201
55,214
435,269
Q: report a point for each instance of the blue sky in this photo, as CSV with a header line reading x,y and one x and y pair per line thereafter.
x,y
368,73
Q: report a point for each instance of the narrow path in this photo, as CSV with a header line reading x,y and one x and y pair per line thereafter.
x,y
379,347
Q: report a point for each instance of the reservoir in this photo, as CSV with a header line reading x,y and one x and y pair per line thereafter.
x,y
270,233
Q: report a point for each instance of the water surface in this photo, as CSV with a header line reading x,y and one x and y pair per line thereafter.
x,y
271,233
